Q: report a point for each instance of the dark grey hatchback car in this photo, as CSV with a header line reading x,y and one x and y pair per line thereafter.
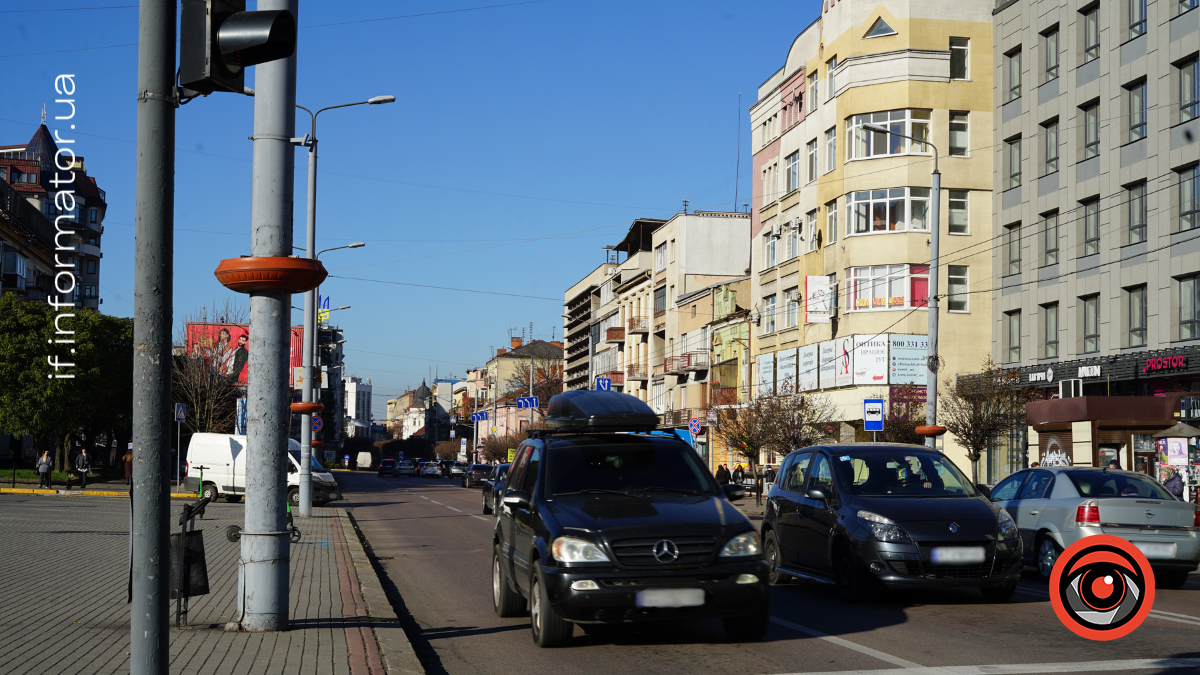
x,y
875,515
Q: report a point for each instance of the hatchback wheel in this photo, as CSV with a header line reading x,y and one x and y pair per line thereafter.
x,y
771,549
1047,555
1170,578
847,577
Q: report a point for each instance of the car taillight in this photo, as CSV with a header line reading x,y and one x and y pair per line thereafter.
x,y
1088,513
1196,518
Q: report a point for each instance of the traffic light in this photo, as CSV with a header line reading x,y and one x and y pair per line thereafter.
x,y
219,39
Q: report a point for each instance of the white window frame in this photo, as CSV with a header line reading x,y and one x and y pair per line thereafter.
x,y
861,144
966,59
769,258
811,169
792,171
830,149
870,288
964,285
910,197
831,211
814,89
660,257
769,313
963,196
791,312
965,122
812,231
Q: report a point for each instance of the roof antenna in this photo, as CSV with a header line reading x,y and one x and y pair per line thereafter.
x,y
43,114
685,207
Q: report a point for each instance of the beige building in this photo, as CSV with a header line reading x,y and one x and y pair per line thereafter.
x,y
580,303
841,215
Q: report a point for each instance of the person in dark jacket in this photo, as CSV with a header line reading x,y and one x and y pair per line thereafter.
x,y
723,475
128,459
83,466
44,466
769,475
1174,483
738,474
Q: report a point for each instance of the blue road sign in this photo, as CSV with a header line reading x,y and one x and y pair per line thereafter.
x,y
317,423
479,417
694,426
180,412
527,402
873,414
603,384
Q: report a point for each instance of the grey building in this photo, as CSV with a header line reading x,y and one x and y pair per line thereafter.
x,y
1097,234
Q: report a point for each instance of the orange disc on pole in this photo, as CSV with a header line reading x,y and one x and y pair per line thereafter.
x,y
307,407
270,273
930,431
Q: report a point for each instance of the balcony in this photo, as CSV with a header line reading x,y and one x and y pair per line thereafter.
x,y
724,396
696,361
636,372
675,364
639,324
615,335
659,370
88,249
617,377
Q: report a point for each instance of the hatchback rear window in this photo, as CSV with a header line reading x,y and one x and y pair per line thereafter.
x,y
633,466
1100,484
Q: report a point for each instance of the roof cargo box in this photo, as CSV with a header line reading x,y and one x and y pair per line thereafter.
x,y
584,410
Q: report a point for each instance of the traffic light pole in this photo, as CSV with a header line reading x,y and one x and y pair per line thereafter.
x,y
265,563
149,611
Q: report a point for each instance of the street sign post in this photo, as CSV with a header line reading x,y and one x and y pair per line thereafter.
x,y
479,416
694,426
180,418
603,384
873,414
527,402
180,412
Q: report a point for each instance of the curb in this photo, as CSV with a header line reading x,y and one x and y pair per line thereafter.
x,y
79,493
394,647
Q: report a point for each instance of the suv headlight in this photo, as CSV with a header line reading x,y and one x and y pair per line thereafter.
x,y
883,529
742,545
572,550
1006,529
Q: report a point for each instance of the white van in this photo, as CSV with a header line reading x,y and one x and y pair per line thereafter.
x,y
364,460
222,460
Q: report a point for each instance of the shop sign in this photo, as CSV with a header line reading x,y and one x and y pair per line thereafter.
x,y
1088,371
1164,363
1045,376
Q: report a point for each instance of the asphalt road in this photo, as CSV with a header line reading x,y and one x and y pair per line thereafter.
x,y
434,545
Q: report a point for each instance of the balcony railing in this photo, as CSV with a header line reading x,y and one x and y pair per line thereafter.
x,y
675,364
638,324
26,214
696,361
617,376
636,371
659,369
724,396
615,335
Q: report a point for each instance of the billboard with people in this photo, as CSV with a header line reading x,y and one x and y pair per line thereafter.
x,y
226,346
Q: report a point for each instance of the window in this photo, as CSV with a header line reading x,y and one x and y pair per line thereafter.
x,y
1012,71
1014,162
793,171
1050,58
769,313
1091,227
959,63
93,214
1050,243
833,295
1137,17
889,287
672,250
812,92
1137,316
1091,130
1012,248
813,239
768,251
830,149
1050,330
89,291
812,160
1137,110
793,302
1013,322
1189,308
1189,198
1091,324
891,210
1091,35
91,267
660,257
958,212
660,301
1185,5
1050,148
829,67
831,220
958,134
956,291
1135,198
793,235
1189,90
879,29
864,143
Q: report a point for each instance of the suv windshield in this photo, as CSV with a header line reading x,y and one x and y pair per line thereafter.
x,y
1106,484
901,472
636,465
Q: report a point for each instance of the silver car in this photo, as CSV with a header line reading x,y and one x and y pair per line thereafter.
x,y
1055,507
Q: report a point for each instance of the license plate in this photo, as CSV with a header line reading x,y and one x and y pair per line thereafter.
x,y
672,597
958,555
1151,550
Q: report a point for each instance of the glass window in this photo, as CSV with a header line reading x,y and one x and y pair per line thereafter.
x,y
793,171
793,235
812,231
829,67
1189,308
959,61
1050,328
812,92
794,481
831,212
770,313
1091,35
902,473
956,291
91,267
1007,489
959,212
864,143
1091,324
890,210
959,136
1050,134
1189,90
633,465
1035,487
1050,48
1137,316
1012,67
830,149
660,301
1091,131
1050,243
1014,163
1012,248
821,476
1091,227
812,160
793,302
660,257
768,251
1185,5
1013,319
1095,484
1137,17
889,287
1135,198
1137,110
1189,198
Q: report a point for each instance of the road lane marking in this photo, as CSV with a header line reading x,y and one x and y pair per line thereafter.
x,y
454,509
1154,613
481,518
894,660
433,502
424,497
1022,668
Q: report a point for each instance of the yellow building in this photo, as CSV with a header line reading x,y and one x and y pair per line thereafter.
x,y
841,215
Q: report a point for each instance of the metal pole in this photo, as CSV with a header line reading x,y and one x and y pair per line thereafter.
x,y
932,376
531,382
310,327
149,647
178,451
265,559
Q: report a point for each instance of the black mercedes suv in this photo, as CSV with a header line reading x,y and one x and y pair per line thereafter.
x,y
597,526
876,515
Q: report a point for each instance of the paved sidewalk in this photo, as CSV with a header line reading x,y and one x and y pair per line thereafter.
x,y
63,596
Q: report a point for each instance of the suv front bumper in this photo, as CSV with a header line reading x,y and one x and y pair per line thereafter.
x,y
616,601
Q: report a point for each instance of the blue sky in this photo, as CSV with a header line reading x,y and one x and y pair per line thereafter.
x,y
562,118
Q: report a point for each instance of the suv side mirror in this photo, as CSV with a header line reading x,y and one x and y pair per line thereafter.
x,y
817,493
517,498
733,492
987,491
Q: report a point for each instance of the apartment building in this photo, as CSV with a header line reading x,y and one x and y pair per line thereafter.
x,y
579,305
841,214
621,297
1096,291
358,406
729,380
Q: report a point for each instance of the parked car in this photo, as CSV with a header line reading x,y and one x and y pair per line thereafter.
x,y
601,527
221,460
431,470
492,486
387,467
869,516
458,468
475,475
1055,507
406,468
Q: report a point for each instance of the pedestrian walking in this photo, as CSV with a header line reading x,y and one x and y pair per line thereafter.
x,y
44,466
738,474
769,474
723,475
128,459
1174,482
83,466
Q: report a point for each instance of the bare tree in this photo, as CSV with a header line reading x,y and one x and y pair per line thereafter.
x,y
495,448
547,378
211,396
980,408
796,420
446,450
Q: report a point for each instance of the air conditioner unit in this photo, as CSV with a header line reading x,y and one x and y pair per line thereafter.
x,y
1070,388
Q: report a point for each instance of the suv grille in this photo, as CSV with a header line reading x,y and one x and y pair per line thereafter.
x,y
693,551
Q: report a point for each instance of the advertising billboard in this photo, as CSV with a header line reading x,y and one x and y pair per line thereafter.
x,y
827,364
908,359
807,368
870,359
226,347
785,371
844,357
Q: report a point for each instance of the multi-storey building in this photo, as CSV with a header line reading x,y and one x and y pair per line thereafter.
x,y
623,296
579,305
841,213
358,406
729,379
1096,225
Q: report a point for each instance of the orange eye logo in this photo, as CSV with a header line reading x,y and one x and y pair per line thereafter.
x,y
1102,587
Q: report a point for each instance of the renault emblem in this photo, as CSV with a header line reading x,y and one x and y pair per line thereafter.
x,y
665,551
953,528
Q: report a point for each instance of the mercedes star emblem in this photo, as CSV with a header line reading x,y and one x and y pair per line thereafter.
x,y
665,551
953,528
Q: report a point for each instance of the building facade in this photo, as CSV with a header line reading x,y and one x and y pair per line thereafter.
x,y
358,406
579,305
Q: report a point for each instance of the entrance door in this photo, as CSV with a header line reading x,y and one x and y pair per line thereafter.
x,y
1145,462
1109,452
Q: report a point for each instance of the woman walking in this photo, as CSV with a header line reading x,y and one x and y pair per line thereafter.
x,y
128,459
44,465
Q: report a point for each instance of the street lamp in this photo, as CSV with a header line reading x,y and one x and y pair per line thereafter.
x,y
309,140
935,229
